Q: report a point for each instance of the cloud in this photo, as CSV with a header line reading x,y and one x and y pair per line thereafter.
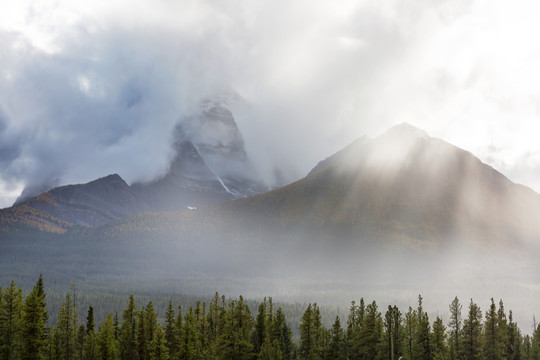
x,y
92,88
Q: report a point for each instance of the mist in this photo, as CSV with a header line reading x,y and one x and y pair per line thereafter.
x,y
93,89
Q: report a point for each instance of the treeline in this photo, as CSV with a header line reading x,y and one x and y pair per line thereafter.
x,y
226,329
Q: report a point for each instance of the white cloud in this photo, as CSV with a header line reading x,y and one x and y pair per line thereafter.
x,y
90,88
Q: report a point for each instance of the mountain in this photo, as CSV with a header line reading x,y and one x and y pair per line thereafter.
x,y
92,204
410,186
403,211
210,165
401,190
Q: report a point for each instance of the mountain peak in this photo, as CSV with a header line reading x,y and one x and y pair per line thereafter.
x,y
406,130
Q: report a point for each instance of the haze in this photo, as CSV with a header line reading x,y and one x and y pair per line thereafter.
x,y
92,88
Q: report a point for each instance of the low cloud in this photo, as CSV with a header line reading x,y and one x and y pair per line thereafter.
x,y
92,89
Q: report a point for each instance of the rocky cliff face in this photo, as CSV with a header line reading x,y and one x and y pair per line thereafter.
x,y
210,164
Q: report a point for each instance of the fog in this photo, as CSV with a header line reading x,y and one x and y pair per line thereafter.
x,y
93,89
89,89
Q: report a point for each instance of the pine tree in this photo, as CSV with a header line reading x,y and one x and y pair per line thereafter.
x,y
354,324
336,346
440,350
455,329
472,332
320,333
526,348
491,338
202,330
371,332
234,342
307,335
34,323
91,350
280,331
535,344
514,339
503,332
149,328
128,332
116,326
215,323
158,346
81,338
422,344
410,332
393,334
11,314
67,329
90,322
190,337
142,341
270,350
107,344
260,333
171,333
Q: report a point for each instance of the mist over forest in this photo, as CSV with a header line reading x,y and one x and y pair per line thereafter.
x,y
315,153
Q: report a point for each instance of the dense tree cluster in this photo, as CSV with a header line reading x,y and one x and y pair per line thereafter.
x,y
227,330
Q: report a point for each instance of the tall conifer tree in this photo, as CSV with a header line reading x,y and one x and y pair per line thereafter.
x,y
34,323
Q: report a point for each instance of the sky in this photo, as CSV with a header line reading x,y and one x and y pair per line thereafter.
x,y
90,88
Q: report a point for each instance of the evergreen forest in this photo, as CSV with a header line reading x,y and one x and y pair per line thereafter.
x,y
227,329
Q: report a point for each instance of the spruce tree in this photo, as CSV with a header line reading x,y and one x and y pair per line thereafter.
x,y
535,344
67,329
11,314
335,350
260,333
320,333
354,324
307,335
410,333
107,344
116,326
472,334
234,342
371,332
491,337
90,322
171,333
149,325
393,333
270,350
454,326
280,331
503,335
514,339
190,337
422,343
81,338
91,350
526,349
158,346
440,350
128,332
142,341
202,330
34,323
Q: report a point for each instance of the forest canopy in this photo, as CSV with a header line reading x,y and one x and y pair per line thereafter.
x,y
227,329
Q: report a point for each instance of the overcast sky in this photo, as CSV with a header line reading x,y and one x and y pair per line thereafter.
x,y
89,88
